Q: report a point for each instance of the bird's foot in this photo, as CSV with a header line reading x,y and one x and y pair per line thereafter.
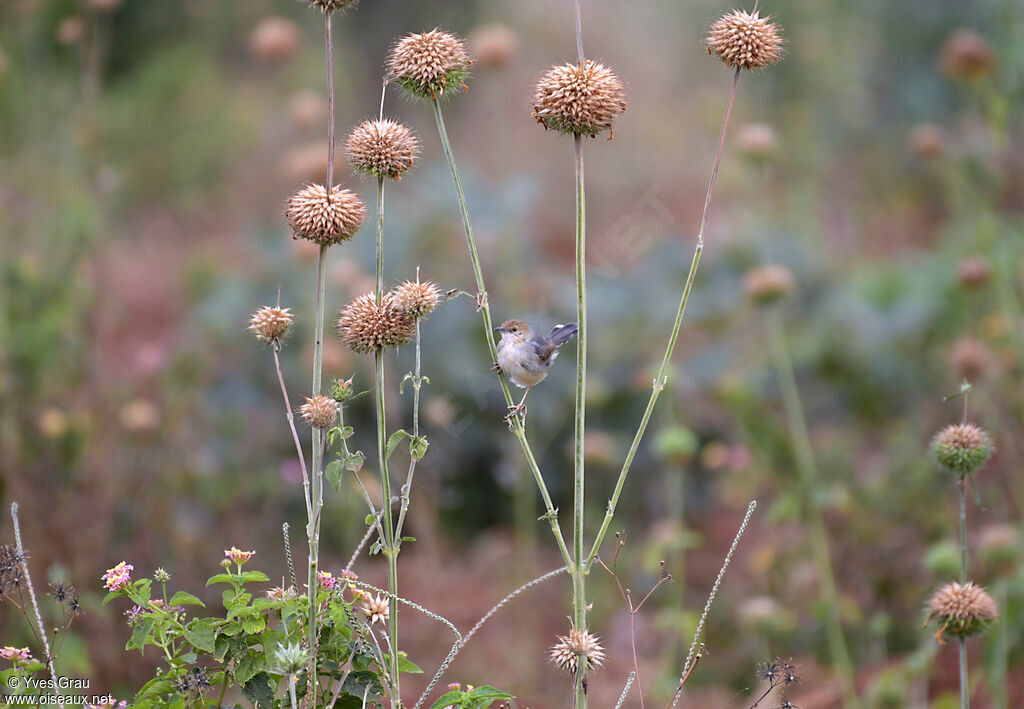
x,y
513,411
496,367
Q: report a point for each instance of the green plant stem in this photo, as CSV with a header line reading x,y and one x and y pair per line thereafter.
x,y
380,239
807,469
388,546
223,690
517,424
579,477
417,383
661,380
291,691
965,696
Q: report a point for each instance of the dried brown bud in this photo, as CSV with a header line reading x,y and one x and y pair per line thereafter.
x,y
429,64
970,358
744,40
973,272
323,219
768,283
579,99
961,609
927,141
270,324
320,412
332,5
382,148
493,45
967,55
416,298
367,326
565,654
275,39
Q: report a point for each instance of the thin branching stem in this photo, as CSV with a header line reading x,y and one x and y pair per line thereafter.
x,y
417,384
579,474
388,546
295,434
661,380
517,422
965,693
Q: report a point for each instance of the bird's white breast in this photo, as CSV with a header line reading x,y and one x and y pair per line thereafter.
x,y
522,365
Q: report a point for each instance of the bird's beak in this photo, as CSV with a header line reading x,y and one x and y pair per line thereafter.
x,y
499,329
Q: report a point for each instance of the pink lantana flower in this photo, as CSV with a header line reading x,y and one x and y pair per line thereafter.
x,y
118,578
238,556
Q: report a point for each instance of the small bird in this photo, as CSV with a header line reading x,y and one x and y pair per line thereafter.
x,y
526,357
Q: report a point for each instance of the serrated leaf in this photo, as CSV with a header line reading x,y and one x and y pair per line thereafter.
x,y
254,626
259,690
248,667
250,576
181,598
418,447
393,441
220,578
406,665
355,461
202,633
141,632
452,699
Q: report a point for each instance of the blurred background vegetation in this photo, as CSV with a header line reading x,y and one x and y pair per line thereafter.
x,y
146,149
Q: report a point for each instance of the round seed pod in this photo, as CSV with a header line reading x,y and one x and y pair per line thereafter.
x,y
429,64
368,326
325,218
579,99
382,148
962,448
745,40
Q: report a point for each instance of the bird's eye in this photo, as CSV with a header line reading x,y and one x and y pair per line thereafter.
x,y
515,329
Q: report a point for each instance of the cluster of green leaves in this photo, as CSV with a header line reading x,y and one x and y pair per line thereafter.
x,y
248,645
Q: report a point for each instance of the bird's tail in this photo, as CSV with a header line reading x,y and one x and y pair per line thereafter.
x,y
560,334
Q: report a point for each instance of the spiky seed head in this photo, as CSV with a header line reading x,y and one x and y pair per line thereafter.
x,y
970,358
927,141
376,609
270,324
768,283
429,64
965,609
418,299
757,142
290,659
967,56
275,39
745,40
566,653
367,326
321,411
332,5
493,45
962,448
382,148
325,218
579,99
973,272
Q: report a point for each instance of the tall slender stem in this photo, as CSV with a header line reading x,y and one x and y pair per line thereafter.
x,y
417,384
380,239
517,424
579,581
316,474
808,472
965,694
388,546
295,434
661,380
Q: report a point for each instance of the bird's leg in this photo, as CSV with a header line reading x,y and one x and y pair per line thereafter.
x,y
519,408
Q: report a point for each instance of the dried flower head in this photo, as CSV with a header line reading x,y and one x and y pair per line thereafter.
x,y
970,358
282,594
768,283
270,324
962,447
325,219
927,141
367,326
566,652
429,64
745,40
321,411
961,609
757,142
376,609
493,45
118,578
332,5
382,148
579,99
967,55
418,299
275,39
11,573
973,272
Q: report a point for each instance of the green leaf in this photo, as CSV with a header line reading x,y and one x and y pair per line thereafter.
x,y
250,576
254,626
406,665
140,634
355,461
259,690
112,595
333,474
483,696
418,447
452,699
185,599
393,441
220,578
248,667
202,632
154,688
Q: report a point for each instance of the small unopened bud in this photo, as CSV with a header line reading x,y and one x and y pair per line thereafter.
x,y
341,389
962,448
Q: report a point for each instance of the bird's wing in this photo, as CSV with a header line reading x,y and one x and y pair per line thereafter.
x,y
560,334
543,347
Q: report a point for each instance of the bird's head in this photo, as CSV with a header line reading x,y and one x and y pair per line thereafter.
x,y
514,331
